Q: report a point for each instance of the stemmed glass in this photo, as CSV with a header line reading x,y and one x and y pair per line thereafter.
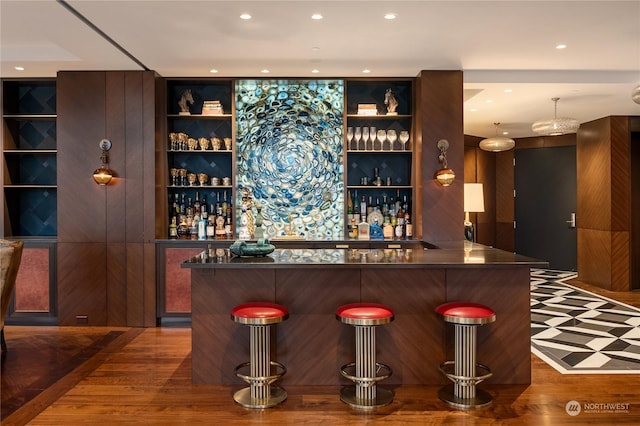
x,y
373,135
392,136
365,136
382,136
404,138
357,135
349,136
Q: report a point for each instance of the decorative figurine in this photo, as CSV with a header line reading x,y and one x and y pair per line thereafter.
x,y
261,248
259,232
247,206
391,102
185,100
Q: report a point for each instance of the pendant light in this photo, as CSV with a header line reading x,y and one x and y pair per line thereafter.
x,y
635,95
497,143
556,126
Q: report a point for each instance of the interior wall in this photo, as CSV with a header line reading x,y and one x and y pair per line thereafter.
x,y
106,236
635,201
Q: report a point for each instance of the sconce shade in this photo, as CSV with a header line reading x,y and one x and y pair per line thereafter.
x,y
102,175
445,176
473,198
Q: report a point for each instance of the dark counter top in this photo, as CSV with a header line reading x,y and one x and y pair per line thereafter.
x,y
450,254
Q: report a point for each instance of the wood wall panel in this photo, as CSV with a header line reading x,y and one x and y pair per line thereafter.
x,y
594,257
82,283
621,174
313,344
620,261
593,162
80,127
119,106
505,202
212,326
439,100
414,295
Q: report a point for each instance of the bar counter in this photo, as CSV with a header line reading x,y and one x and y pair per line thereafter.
x,y
312,283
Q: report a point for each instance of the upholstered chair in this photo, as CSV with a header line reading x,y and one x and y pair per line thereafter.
x,y
10,255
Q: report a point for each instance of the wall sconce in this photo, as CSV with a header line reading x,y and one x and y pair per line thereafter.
x,y
102,175
445,175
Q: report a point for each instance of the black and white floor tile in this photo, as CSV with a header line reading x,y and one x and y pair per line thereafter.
x,y
578,332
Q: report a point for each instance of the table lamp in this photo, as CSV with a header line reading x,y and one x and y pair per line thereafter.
x,y
473,203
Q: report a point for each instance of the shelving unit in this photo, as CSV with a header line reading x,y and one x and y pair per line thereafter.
x,y
29,158
212,162
395,163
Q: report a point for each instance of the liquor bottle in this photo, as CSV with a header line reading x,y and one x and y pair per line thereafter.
x,y
387,229
349,203
353,229
363,209
375,231
173,229
203,208
376,180
363,230
408,227
370,205
183,205
400,223
202,229
196,204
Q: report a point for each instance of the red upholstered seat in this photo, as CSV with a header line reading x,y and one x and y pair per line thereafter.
x,y
466,313
364,314
259,313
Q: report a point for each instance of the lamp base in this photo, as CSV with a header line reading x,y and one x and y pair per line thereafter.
x,y
468,231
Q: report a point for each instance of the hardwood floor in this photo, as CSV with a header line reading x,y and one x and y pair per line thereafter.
x,y
106,375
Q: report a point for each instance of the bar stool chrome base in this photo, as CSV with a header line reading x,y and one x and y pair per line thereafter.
x,y
257,395
364,386
464,385
447,395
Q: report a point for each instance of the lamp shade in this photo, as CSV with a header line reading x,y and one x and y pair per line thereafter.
x,y
635,94
497,144
102,175
473,197
557,125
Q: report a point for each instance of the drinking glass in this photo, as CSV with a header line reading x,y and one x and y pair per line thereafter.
x,y
365,136
357,135
404,138
373,135
349,136
392,136
382,136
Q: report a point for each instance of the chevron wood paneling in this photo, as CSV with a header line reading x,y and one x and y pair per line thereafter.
x,y
620,261
82,282
621,174
413,294
439,99
218,344
119,106
313,344
594,257
506,342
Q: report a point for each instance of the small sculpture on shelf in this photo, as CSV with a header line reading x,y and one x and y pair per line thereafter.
x,y
185,100
260,248
391,102
247,208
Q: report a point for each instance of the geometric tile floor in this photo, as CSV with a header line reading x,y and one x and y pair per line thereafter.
x,y
578,332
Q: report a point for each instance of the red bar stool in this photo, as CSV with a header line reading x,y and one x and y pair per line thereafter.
x,y
464,371
365,372
260,372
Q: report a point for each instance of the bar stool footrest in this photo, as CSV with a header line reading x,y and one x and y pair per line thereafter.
x,y
280,371
447,395
347,371
447,368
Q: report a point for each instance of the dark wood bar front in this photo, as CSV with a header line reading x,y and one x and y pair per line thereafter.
x,y
312,283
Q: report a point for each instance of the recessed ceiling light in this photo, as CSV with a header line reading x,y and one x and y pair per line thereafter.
x,y
508,90
213,71
316,16
265,71
315,71
366,71
489,101
473,110
505,133
245,16
315,48
390,16
19,68
561,46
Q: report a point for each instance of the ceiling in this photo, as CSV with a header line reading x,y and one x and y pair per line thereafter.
x,y
499,45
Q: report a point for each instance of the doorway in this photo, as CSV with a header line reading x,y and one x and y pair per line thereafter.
x,y
545,202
